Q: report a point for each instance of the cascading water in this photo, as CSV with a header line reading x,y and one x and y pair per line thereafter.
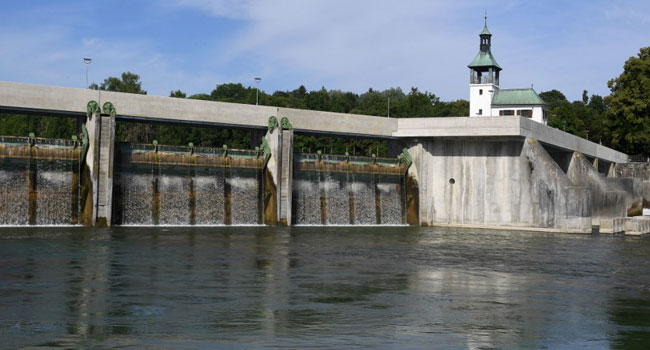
x,y
210,198
14,189
336,198
306,197
391,196
39,182
333,190
245,204
171,186
135,187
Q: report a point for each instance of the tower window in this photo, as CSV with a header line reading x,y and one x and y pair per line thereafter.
x,y
480,91
480,111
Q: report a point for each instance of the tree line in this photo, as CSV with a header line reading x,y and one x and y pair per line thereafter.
x,y
620,120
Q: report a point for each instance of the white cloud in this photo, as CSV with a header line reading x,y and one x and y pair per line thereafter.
x,y
347,45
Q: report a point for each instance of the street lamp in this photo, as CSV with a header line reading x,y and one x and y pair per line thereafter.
x,y
257,90
87,61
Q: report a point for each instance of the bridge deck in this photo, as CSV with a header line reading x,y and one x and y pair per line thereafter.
x,y
72,101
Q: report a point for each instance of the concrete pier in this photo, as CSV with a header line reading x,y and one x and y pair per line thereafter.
x,y
99,163
280,168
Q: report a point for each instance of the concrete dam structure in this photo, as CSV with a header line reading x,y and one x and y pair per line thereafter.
x,y
490,172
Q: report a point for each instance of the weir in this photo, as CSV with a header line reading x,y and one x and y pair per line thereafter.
x,y
165,185
349,190
39,181
488,172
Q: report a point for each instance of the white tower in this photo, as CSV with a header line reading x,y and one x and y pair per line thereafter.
x,y
483,78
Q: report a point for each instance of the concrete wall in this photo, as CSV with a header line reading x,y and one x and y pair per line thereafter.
x,y
639,171
508,182
607,201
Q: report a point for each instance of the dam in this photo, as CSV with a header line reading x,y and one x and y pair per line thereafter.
x,y
488,172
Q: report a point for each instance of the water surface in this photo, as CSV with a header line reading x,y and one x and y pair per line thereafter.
x,y
320,287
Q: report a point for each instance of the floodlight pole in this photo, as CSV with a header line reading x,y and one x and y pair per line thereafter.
x,y
87,61
257,90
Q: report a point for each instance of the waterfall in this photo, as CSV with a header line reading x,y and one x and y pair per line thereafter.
x,y
174,197
332,190
14,190
54,185
171,186
390,190
39,183
136,188
306,198
209,188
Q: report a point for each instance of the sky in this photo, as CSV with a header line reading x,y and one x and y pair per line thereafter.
x,y
349,45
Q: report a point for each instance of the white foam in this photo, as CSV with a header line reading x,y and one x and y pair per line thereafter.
x,y
242,183
387,187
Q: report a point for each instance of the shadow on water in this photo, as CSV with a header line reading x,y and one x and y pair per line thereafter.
x,y
633,318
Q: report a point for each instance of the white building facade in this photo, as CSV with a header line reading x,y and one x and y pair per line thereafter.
x,y
485,97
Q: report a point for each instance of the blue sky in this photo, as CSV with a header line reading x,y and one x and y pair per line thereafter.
x,y
193,45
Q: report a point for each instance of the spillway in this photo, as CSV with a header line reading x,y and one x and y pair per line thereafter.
x,y
348,190
165,185
39,181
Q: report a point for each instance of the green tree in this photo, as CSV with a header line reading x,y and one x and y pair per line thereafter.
x,y
553,98
130,132
177,93
233,93
318,100
128,83
628,118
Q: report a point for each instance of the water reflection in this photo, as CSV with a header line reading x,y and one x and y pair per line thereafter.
x,y
257,287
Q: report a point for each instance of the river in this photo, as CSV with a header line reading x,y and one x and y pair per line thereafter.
x,y
320,288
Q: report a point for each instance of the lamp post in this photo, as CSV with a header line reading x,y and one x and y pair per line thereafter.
x,y
87,61
257,90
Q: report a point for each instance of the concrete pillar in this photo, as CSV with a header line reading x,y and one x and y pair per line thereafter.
x,y
98,165
278,183
286,189
105,176
419,171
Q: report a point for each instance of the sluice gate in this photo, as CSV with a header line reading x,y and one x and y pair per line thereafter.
x,y
47,182
349,190
171,185
39,181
